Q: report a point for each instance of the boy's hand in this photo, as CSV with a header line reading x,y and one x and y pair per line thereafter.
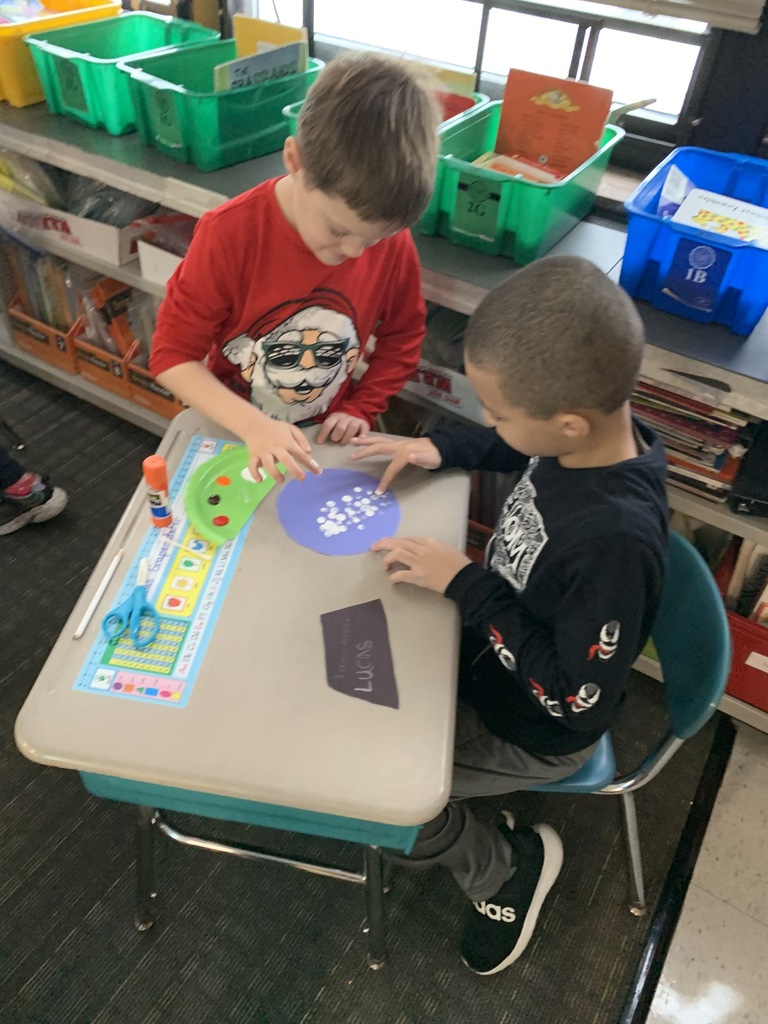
x,y
342,427
419,451
270,442
428,563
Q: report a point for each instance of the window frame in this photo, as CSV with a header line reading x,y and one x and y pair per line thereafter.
x,y
649,138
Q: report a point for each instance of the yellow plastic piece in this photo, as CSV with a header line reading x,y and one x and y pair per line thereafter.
x,y
19,84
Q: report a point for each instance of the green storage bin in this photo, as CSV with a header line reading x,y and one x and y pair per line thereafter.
x,y
502,215
78,66
179,113
291,113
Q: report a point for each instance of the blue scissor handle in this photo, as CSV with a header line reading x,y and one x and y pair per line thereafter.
x,y
114,622
130,613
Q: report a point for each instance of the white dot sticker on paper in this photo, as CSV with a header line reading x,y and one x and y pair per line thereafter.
x,y
338,512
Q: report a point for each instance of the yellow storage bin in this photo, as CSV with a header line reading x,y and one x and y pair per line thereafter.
x,y
19,84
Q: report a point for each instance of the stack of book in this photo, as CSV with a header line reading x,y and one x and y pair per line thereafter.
x,y
705,443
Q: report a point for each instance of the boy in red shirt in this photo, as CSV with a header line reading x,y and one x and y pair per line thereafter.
x,y
284,285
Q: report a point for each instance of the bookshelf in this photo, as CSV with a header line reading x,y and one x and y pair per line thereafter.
x,y
454,277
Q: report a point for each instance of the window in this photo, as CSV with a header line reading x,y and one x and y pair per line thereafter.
x,y
681,65
446,31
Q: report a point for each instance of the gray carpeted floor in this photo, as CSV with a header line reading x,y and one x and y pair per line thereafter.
x,y
256,943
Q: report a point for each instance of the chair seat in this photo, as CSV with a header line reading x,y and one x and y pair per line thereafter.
x,y
599,771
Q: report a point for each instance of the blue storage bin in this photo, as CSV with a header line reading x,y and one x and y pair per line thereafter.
x,y
693,273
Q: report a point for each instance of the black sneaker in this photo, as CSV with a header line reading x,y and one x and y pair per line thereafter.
x,y
41,502
499,928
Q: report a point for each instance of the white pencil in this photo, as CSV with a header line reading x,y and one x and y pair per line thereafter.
x,y
98,595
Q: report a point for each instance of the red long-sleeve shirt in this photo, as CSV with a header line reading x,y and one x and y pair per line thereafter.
x,y
282,329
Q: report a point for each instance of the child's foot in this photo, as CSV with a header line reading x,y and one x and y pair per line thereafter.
x,y
498,929
30,500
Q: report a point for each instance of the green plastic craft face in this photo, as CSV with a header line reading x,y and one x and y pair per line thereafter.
x,y
221,495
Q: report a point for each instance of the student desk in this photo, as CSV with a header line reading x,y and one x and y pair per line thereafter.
x,y
264,739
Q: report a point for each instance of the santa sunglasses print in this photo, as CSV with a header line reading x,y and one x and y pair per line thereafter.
x,y
287,355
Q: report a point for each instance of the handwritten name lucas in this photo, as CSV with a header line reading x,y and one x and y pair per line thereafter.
x,y
362,667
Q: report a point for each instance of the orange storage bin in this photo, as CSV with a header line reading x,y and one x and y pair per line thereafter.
x,y
99,366
19,82
145,391
38,339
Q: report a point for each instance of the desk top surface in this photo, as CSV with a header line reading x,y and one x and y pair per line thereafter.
x,y
262,723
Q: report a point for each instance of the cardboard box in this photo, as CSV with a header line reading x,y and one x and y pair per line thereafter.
x,y
156,264
447,389
145,391
39,224
100,367
37,338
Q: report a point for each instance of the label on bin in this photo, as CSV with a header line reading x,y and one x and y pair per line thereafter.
x,y
164,118
70,85
696,274
477,207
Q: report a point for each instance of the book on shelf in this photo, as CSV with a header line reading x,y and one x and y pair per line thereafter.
x,y
704,442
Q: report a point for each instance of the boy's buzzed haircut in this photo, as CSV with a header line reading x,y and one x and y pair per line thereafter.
x,y
367,133
561,336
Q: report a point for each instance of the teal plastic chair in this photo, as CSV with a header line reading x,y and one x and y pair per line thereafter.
x,y
693,642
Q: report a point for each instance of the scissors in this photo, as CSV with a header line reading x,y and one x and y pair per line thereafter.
x,y
130,613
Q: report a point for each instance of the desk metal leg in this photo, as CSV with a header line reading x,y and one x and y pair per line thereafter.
x,y
374,899
145,868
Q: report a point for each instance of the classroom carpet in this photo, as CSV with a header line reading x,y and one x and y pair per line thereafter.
x,y
262,944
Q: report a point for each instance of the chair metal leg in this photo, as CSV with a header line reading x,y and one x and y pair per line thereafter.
x,y
637,906
145,868
374,899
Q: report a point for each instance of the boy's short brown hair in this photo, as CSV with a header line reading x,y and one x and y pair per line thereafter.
x,y
367,134
561,336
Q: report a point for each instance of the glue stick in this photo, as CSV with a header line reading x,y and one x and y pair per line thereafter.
x,y
156,477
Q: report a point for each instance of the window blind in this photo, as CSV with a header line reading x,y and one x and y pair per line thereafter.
x,y
737,15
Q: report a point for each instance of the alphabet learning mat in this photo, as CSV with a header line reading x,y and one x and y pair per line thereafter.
x,y
186,586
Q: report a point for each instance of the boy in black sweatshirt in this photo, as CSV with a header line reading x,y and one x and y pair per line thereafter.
x,y
572,579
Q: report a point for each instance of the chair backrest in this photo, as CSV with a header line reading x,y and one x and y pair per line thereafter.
x,y
692,638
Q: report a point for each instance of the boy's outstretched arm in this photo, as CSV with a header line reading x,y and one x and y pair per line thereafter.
x,y
457,446
423,561
402,452
575,672
268,441
198,300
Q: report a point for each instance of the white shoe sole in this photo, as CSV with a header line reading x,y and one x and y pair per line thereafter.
x,y
553,862
39,514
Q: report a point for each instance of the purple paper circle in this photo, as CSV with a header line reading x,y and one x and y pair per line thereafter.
x,y
337,513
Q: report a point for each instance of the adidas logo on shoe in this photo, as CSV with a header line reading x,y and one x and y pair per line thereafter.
x,y
498,929
496,913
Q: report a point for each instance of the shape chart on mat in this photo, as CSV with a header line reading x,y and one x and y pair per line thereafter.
x,y
337,512
187,587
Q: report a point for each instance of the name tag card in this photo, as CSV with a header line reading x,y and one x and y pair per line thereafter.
x,y
358,657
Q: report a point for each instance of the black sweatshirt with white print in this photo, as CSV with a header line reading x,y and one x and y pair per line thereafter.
x,y
569,593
